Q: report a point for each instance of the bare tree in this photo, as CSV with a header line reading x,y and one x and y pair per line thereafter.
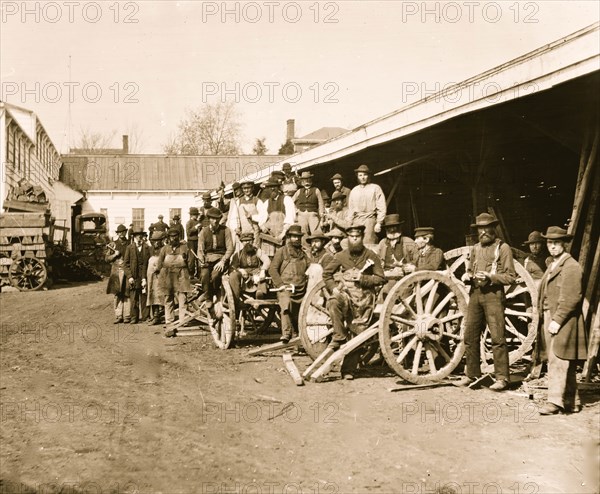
x,y
94,142
260,148
210,130
136,138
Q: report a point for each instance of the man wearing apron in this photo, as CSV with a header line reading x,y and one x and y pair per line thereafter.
x,y
367,204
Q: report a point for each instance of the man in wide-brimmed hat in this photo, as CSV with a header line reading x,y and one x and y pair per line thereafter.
x,y
491,269
317,242
159,226
117,282
288,272
136,259
248,269
395,250
275,215
559,303
310,207
335,236
291,180
192,229
338,186
207,203
215,248
535,262
352,277
174,277
367,204
338,215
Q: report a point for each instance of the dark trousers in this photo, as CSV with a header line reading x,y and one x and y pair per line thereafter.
x,y
289,305
192,261
210,280
486,305
138,304
235,282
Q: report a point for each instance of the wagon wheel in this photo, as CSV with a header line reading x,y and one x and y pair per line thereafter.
x,y
316,328
314,323
421,326
223,322
27,273
521,316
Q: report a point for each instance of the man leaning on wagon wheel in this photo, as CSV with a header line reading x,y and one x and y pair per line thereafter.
x,y
491,268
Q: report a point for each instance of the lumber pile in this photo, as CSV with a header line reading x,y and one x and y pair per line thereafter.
x,y
21,235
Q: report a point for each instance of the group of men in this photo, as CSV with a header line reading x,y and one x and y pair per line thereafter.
x,y
290,225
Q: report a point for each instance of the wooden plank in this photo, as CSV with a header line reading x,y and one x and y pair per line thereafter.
x,y
581,192
292,369
22,206
18,220
20,232
275,347
593,347
409,387
318,361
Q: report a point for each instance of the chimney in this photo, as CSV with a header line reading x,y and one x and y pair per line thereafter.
x,y
291,129
125,144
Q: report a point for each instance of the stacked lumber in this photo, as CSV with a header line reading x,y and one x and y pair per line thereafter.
x,y
21,235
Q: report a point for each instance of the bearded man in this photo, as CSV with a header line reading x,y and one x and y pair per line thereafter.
x,y
352,278
249,267
156,298
491,268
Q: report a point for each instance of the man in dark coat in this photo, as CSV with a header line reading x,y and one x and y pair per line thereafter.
x,y
427,256
176,223
117,282
340,188
559,303
288,272
192,229
491,268
136,259
352,278
535,262
159,226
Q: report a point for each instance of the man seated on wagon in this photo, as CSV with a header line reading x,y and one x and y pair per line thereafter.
x,y
427,256
318,255
336,241
215,248
288,272
352,278
248,270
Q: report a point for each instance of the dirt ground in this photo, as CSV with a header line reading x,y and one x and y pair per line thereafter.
x,y
88,406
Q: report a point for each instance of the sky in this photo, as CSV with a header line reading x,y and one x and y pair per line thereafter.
x,y
135,67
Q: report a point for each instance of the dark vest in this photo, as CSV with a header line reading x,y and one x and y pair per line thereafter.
x,y
276,205
214,242
308,203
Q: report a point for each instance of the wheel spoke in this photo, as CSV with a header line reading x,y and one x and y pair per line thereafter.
x,y
319,308
442,304
441,351
511,329
418,298
452,335
406,349
431,298
401,320
417,358
430,359
451,317
401,336
512,312
517,291
408,307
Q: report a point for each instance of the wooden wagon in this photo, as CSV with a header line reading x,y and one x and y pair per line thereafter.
x,y
23,249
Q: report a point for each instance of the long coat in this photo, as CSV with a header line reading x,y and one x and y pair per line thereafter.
x,y
136,263
563,290
117,284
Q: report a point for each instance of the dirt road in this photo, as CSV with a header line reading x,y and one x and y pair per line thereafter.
x,y
88,406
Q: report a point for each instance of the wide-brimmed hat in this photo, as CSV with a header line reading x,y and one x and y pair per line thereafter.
x,y
392,220
295,230
160,216
362,169
557,233
176,217
484,219
278,174
173,232
138,231
337,195
194,211
247,236
206,196
247,182
157,235
424,230
272,182
534,237
121,228
214,213
235,186
286,167
356,227
337,176
318,235
307,175
335,232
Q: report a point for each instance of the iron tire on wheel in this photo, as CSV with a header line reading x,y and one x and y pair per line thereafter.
x,y
223,326
27,274
421,326
313,321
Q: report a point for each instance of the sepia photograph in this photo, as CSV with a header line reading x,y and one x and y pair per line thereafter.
x,y
299,247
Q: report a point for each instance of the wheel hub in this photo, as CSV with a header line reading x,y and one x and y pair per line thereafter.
x,y
428,328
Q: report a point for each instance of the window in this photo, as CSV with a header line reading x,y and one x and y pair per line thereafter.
x,y
173,212
137,218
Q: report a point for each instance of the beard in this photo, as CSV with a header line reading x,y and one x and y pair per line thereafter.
x,y
249,249
315,250
275,194
356,248
486,238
